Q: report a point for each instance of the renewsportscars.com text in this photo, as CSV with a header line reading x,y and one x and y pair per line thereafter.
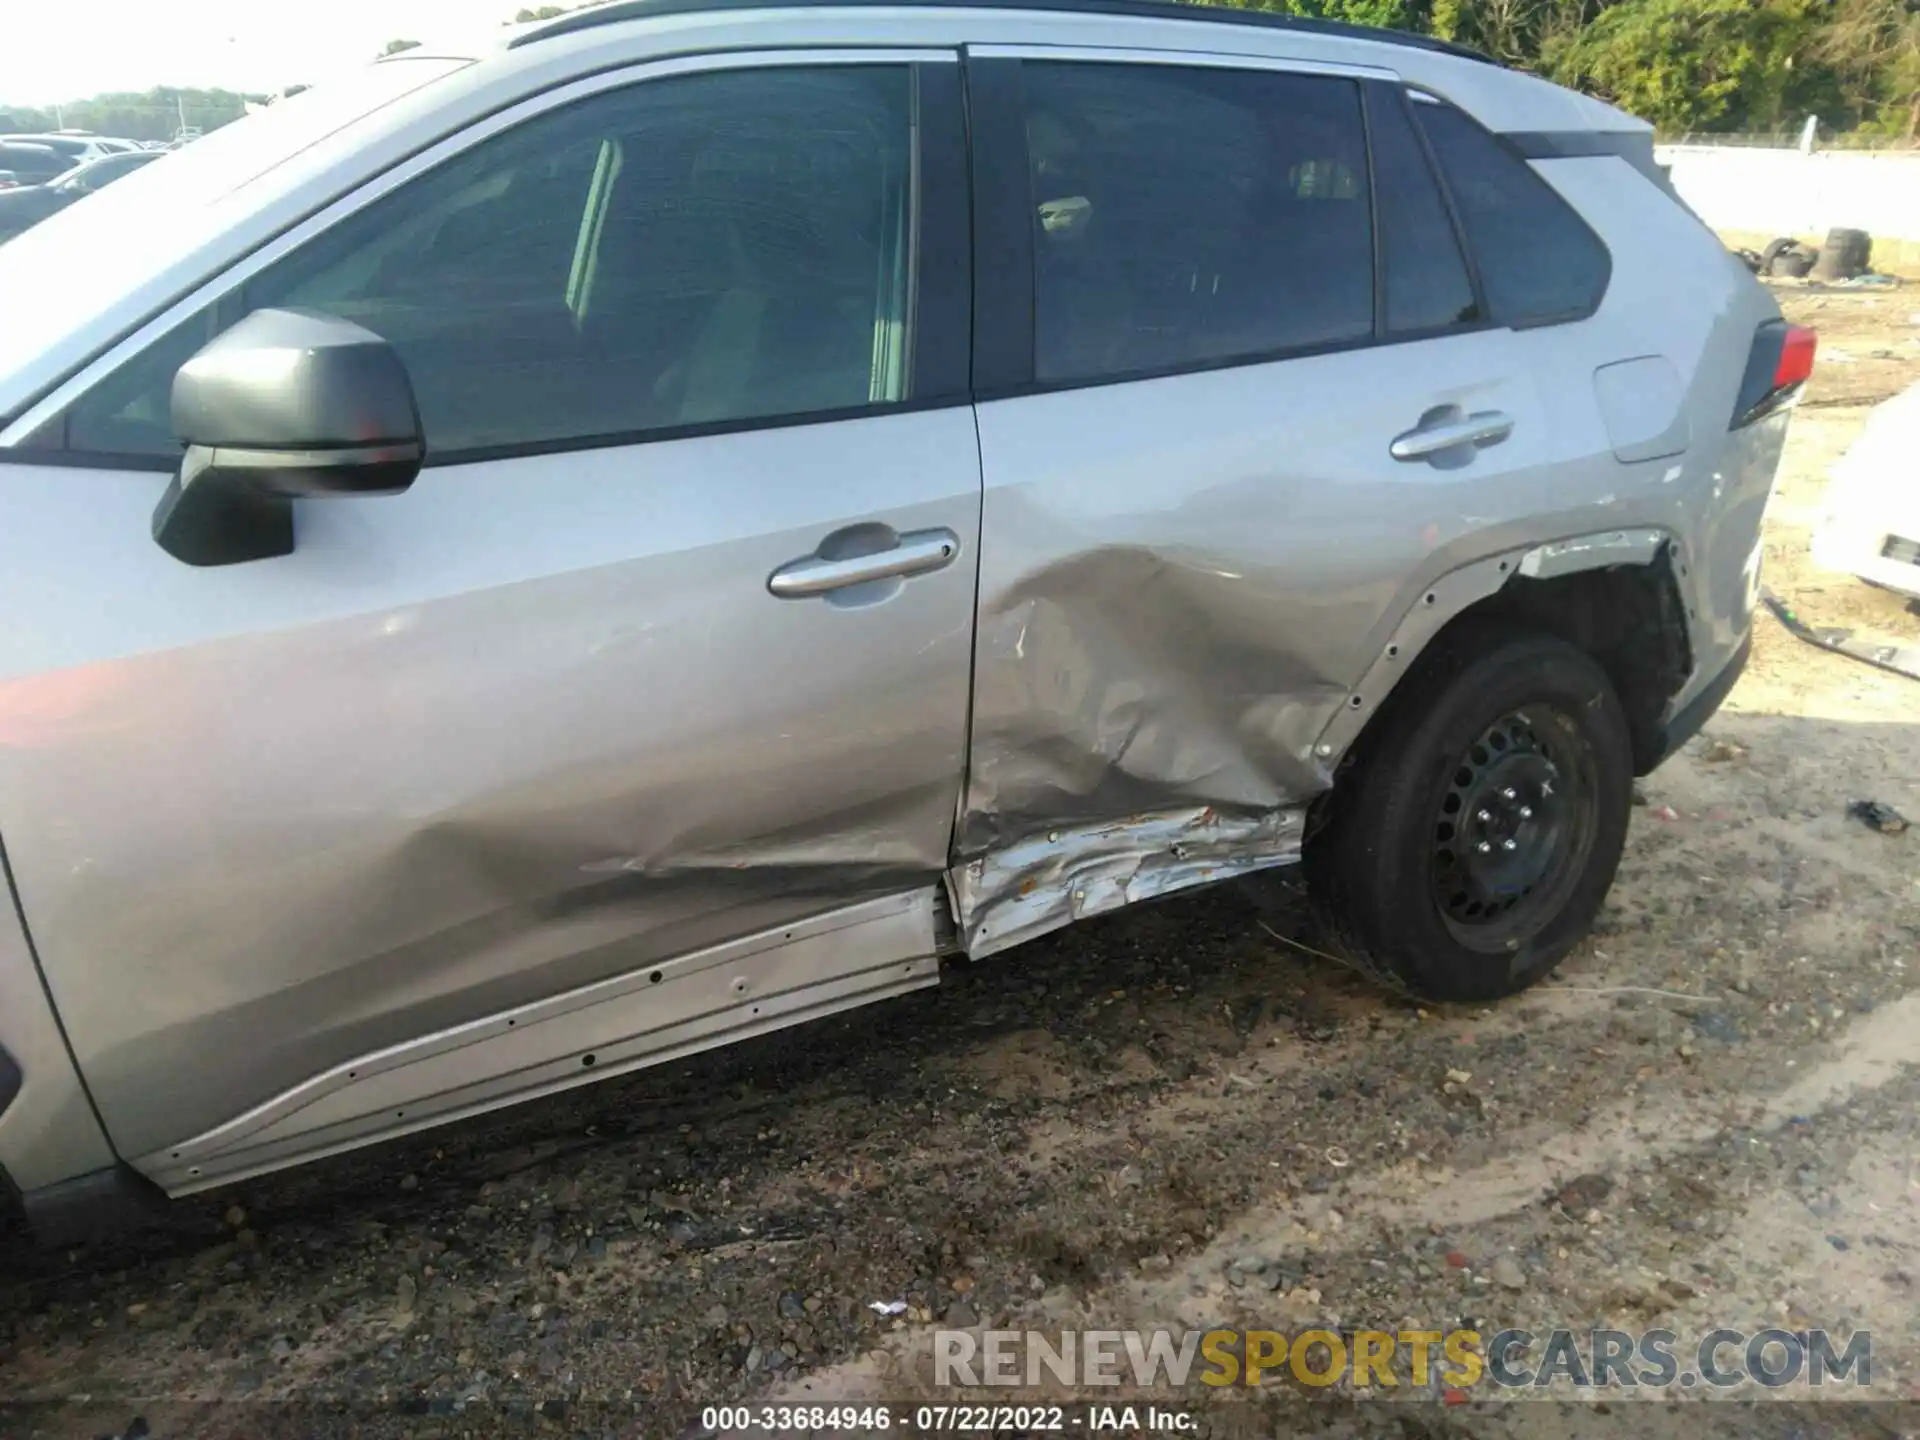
x,y
1387,1359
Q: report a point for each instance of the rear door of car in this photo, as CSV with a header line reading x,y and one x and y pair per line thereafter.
x,y
666,650
1239,392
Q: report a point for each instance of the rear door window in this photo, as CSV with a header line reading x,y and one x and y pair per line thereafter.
x,y
1188,217
1428,287
1539,263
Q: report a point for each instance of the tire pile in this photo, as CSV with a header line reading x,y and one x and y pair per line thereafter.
x,y
1842,256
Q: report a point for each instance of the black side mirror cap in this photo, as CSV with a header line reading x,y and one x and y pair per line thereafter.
x,y
285,404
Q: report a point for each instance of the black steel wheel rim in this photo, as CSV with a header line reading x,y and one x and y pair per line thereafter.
x,y
1517,816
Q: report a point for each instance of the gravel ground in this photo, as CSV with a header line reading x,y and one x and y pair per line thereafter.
x,y
1182,1116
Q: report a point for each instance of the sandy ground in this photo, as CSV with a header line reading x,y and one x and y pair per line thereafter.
x,y
1177,1117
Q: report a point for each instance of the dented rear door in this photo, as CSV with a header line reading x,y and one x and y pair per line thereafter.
x,y
1218,458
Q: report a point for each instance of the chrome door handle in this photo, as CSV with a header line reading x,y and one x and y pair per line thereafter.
x,y
916,553
1487,427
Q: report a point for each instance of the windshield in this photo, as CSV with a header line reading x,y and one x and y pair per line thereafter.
x,y
221,162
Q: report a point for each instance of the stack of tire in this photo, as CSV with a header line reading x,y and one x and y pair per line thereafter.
x,y
1787,258
1844,254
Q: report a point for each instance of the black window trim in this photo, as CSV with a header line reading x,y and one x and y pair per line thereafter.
x,y
1376,232
1392,94
1510,144
1003,262
1003,355
941,305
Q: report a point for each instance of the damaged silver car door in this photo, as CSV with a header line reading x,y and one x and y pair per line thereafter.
x,y
1239,443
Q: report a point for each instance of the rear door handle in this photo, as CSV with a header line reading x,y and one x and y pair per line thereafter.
x,y
1435,433
916,553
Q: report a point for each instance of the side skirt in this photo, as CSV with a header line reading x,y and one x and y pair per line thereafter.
x,y
765,982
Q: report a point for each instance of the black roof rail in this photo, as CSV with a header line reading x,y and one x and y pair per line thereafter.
x,y
613,12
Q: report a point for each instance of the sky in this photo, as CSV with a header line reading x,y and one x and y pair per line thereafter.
x,y
55,50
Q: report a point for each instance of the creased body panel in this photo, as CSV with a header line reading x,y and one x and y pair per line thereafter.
x,y
1055,878
1196,589
1182,579
534,723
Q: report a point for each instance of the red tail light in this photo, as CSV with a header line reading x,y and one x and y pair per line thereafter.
x,y
1777,366
1796,357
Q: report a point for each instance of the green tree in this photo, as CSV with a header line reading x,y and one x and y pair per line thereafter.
x,y
1386,14
150,115
1517,32
1873,50
1683,64
1697,64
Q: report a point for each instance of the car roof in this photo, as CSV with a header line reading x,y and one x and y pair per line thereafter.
x,y
114,159
65,144
24,150
613,12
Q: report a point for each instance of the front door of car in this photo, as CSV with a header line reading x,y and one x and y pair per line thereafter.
x,y
1247,398
668,645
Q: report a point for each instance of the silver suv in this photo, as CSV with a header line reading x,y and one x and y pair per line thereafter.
x,y
535,559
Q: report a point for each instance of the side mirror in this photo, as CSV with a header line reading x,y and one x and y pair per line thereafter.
x,y
285,404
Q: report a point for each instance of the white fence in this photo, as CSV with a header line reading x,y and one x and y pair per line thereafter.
x,y
1788,192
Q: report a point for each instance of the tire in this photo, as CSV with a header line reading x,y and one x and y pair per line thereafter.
x,y
1793,262
1490,710
1844,254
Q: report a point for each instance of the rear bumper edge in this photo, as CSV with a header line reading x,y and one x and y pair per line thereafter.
x,y
1690,719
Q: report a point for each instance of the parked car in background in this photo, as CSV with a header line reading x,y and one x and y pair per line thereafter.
x,y
27,206
1871,526
27,162
110,143
75,147
543,557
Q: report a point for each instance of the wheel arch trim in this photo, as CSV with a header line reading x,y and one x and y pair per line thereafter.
x,y
1433,606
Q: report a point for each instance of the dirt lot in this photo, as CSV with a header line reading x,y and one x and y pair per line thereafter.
x,y
1707,1118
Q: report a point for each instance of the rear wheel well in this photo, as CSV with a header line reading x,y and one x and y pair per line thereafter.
x,y
1630,618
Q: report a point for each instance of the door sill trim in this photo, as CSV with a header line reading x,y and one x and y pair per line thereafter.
x,y
764,982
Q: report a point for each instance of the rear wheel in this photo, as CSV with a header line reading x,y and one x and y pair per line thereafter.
x,y
1470,845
